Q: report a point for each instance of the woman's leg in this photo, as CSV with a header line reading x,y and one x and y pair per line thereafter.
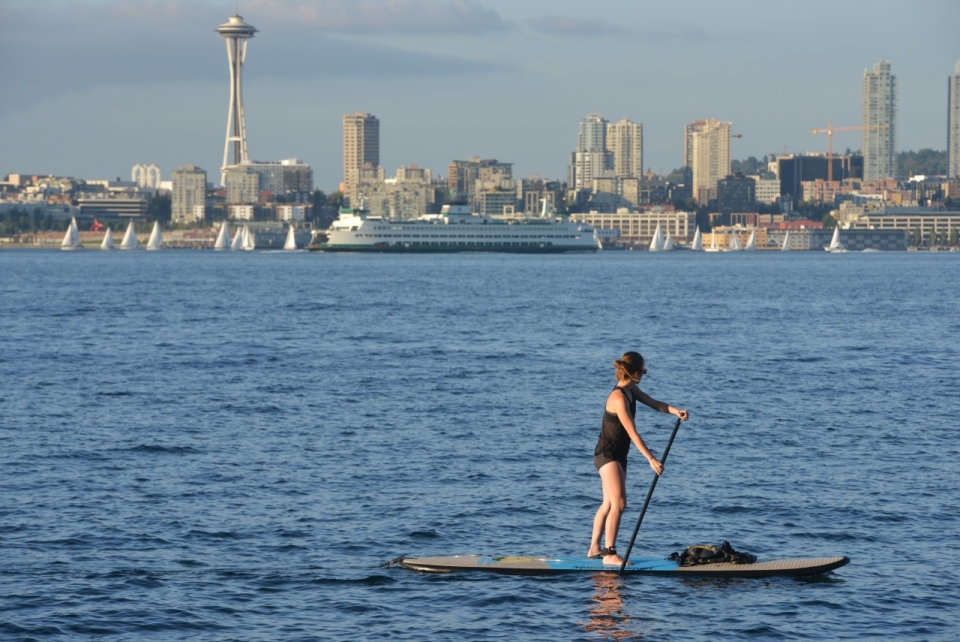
x,y
614,480
598,522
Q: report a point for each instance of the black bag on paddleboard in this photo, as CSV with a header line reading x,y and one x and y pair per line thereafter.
x,y
710,554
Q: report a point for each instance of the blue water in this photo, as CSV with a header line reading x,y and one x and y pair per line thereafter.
x,y
202,446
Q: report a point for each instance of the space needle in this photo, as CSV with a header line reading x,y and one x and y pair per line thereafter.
x,y
236,32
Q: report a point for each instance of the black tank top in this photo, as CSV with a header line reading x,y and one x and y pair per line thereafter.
x,y
614,442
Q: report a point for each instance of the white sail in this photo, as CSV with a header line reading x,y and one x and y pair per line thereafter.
x,y
129,238
291,243
223,238
237,239
752,241
71,240
668,243
786,241
697,241
656,243
734,242
156,238
249,241
107,240
835,241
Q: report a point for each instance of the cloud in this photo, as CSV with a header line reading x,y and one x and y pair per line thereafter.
x,y
565,26
48,53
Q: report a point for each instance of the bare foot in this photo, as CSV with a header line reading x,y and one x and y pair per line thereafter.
x,y
594,550
612,560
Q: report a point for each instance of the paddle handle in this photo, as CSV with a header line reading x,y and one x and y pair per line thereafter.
x,y
646,502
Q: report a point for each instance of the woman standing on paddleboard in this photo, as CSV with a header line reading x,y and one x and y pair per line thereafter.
x,y
610,456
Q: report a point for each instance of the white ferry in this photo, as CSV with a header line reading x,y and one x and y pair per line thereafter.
x,y
455,229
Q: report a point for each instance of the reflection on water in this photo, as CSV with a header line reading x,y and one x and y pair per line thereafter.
x,y
607,616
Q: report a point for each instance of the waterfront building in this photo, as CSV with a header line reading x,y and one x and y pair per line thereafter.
x,y
243,184
409,195
361,147
592,157
953,123
236,33
638,228
625,144
736,193
104,206
878,139
925,220
720,237
291,213
189,190
706,151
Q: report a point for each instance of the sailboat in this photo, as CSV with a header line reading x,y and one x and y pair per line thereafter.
x,y
129,238
71,240
156,238
786,241
668,244
697,244
223,238
107,240
751,242
836,247
237,239
656,243
713,243
291,242
734,245
248,240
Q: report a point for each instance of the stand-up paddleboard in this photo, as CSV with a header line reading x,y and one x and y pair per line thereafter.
x,y
798,566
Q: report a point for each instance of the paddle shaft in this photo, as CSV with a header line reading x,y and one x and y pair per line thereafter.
x,y
646,502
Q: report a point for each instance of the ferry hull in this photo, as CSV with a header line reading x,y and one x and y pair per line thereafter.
x,y
403,248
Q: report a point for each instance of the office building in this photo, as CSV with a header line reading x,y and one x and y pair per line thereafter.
x,y
706,151
638,228
878,139
953,123
625,144
767,190
288,176
795,169
189,190
361,147
736,193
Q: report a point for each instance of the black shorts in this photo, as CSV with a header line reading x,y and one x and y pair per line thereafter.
x,y
602,460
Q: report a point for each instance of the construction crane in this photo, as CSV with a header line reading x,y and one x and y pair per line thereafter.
x,y
829,132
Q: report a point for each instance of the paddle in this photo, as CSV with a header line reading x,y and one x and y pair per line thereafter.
x,y
646,502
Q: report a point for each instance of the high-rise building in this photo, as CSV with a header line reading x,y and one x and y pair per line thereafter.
x,y
953,123
878,115
361,147
625,143
236,32
592,158
189,191
706,151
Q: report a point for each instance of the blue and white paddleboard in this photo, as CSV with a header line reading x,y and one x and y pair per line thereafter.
x,y
643,565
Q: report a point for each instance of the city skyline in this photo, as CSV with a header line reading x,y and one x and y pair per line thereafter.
x,y
434,106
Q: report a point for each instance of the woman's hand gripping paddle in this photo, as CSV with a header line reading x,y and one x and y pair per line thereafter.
x,y
646,502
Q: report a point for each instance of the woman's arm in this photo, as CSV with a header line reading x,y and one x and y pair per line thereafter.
x,y
660,406
620,405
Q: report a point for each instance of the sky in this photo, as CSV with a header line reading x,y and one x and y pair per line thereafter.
x,y
89,88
